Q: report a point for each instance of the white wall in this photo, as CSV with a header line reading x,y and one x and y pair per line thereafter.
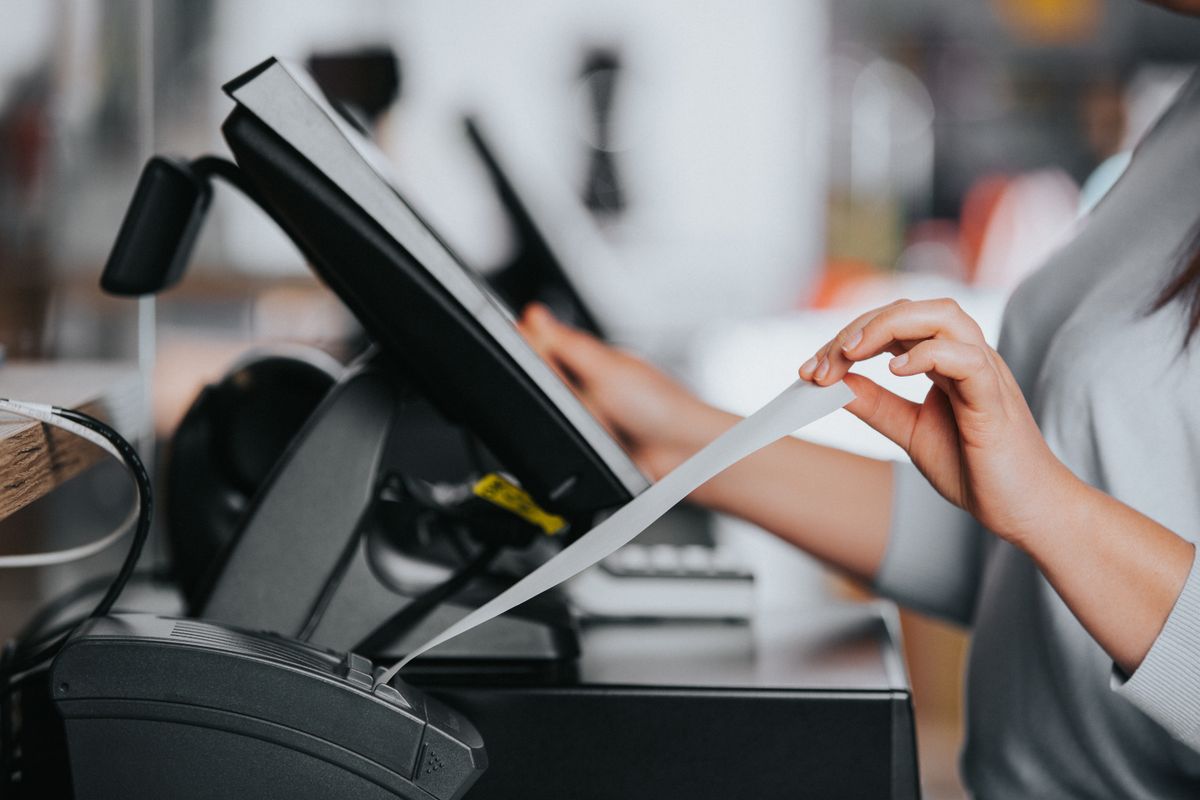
x,y
720,119
723,121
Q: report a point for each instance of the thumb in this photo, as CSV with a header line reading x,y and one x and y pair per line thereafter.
x,y
885,411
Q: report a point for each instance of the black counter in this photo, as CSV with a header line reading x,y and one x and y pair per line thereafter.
x,y
815,704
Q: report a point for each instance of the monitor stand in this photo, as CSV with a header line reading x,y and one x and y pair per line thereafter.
x,y
312,560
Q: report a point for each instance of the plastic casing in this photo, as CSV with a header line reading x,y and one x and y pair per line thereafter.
x,y
163,707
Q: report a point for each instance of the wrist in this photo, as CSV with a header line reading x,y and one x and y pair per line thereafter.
x,y
698,425
1059,506
711,423
691,432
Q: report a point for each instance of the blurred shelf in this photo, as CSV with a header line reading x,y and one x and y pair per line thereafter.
x,y
204,279
34,458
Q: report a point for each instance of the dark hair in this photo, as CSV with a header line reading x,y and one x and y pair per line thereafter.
x,y
1185,286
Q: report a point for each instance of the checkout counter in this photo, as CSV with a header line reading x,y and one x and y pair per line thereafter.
x,y
814,704
369,534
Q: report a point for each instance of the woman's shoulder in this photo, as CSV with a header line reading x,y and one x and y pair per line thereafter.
x,y
1131,239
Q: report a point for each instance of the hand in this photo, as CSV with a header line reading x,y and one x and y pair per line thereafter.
x,y
973,437
659,422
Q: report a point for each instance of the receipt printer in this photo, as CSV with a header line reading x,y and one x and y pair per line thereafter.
x,y
161,707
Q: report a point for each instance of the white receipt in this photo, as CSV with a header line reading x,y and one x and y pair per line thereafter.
x,y
794,407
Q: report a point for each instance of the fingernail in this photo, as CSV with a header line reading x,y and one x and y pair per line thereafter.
x,y
852,340
899,361
808,366
822,370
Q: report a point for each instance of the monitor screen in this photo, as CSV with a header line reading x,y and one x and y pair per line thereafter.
x,y
332,191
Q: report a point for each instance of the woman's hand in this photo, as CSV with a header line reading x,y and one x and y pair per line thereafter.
x,y
831,503
973,437
975,440
658,421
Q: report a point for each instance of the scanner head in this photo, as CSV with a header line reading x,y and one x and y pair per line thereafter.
x,y
159,229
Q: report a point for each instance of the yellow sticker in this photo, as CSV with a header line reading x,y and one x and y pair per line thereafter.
x,y
499,491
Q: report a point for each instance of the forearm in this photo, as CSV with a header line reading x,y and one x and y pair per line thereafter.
x,y
833,504
1119,571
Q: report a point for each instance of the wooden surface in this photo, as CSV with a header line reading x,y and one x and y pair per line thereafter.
x,y
35,458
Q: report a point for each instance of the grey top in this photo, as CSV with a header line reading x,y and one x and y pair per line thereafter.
x,y
1118,399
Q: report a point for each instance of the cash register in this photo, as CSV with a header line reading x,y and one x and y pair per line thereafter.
x,y
443,465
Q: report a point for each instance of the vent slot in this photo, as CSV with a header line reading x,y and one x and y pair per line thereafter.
x,y
216,638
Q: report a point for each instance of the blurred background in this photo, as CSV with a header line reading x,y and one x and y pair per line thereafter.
x,y
726,183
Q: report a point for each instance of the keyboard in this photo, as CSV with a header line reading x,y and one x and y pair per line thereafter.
x,y
666,581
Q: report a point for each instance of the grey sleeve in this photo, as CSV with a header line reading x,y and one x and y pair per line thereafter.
x,y
1166,687
934,551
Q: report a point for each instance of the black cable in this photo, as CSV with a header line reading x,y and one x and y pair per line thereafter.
x,y
33,631
145,497
333,582
17,660
27,656
6,725
45,640
423,604
23,659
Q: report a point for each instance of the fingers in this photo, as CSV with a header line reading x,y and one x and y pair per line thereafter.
x,y
830,357
975,378
532,326
537,321
578,354
888,413
894,328
536,325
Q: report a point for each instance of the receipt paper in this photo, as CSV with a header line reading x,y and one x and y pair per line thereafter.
x,y
794,407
